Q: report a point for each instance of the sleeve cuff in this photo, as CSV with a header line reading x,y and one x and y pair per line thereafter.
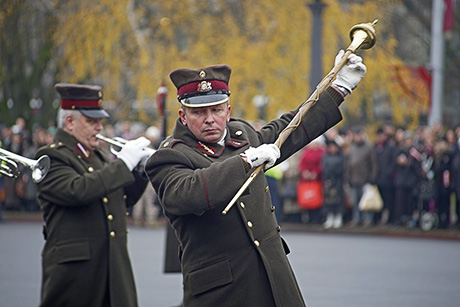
x,y
335,95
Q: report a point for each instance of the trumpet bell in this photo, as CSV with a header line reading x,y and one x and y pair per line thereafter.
x,y
9,165
40,169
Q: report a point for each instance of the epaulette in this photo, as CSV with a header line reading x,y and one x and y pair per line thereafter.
x,y
169,142
238,128
57,145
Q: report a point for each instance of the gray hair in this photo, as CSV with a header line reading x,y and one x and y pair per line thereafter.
x,y
62,114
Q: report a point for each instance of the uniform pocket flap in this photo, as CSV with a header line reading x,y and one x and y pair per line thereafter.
x,y
210,277
72,251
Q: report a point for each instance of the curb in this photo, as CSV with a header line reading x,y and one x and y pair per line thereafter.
x,y
383,231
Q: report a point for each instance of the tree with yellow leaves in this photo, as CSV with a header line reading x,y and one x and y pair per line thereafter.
x,y
130,47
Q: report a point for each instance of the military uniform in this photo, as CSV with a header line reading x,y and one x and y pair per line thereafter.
x,y
237,259
84,197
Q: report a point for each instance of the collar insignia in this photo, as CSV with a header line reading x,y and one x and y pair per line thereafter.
x,y
210,150
83,150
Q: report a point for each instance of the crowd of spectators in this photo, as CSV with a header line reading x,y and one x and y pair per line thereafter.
x,y
417,172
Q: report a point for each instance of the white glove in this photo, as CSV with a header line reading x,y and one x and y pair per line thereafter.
x,y
351,73
256,156
132,152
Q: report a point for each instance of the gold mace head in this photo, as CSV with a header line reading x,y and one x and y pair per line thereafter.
x,y
362,36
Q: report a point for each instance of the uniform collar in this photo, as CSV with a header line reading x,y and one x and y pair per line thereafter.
x,y
73,144
181,132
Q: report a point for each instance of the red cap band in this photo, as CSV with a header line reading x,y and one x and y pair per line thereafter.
x,y
75,104
194,87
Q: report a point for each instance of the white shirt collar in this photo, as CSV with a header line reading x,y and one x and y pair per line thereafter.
x,y
221,142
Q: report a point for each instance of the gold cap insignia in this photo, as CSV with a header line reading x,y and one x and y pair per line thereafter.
x,y
204,86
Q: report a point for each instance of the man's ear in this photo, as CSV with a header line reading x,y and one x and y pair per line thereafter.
x,y
69,122
228,112
182,117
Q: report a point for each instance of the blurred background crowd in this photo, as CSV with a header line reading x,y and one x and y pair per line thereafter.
x,y
417,173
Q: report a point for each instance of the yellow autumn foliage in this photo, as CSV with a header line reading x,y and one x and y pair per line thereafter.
x,y
130,47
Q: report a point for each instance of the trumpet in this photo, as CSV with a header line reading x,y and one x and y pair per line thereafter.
x,y
120,143
9,167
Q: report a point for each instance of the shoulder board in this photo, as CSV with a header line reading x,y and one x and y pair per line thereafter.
x,y
169,142
57,145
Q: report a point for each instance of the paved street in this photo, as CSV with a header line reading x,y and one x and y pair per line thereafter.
x,y
347,270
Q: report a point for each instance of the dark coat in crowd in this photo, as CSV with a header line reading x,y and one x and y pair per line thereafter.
x,y
85,259
443,185
386,163
407,175
456,170
239,256
333,169
361,164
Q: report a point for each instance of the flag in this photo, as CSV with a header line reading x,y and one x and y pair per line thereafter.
x,y
161,99
448,15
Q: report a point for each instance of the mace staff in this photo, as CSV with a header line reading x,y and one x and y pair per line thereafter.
x,y
362,37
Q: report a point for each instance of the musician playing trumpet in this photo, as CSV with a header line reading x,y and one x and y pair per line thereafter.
x,y
236,259
84,196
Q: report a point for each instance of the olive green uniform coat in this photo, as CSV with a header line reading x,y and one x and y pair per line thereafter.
x,y
238,259
85,259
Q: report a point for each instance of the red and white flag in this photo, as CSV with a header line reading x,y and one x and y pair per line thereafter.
x,y
161,99
449,17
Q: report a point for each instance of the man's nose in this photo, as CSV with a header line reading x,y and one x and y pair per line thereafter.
x,y
209,117
99,126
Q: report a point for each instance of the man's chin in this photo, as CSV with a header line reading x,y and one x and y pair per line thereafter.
x,y
210,139
94,144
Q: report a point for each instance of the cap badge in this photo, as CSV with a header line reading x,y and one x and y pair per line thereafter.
x,y
202,74
204,86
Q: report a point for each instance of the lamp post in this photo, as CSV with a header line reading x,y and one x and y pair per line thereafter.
x,y
316,71
437,63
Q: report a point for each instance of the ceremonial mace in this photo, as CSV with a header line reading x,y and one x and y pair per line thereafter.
x,y
362,37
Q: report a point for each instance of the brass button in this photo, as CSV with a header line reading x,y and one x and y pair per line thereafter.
x,y
242,205
112,234
105,200
124,196
278,228
166,144
127,213
52,145
205,155
59,143
239,132
249,224
266,188
273,208
90,169
256,243
79,157
110,217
